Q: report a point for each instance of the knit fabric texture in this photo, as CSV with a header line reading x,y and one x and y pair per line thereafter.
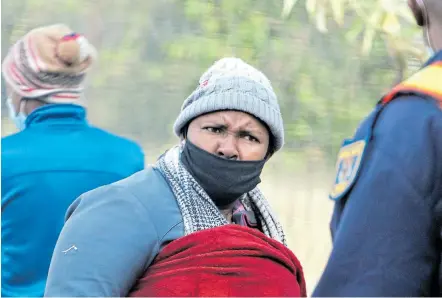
x,y
232,84
49,63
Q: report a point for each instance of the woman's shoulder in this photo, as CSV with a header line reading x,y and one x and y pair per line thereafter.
x,y
145,184
148,180
146,191
149,186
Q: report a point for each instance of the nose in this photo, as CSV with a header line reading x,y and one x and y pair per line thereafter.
x,y
228,148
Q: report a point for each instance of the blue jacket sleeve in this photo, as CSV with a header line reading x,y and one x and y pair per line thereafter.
x,y
385,240
139,161
106,243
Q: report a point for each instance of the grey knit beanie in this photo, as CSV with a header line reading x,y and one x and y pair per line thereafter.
x,y
232,84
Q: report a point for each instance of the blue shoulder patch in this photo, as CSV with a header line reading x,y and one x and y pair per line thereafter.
x,y
347,167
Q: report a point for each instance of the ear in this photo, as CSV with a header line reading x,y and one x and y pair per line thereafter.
x,y
417,9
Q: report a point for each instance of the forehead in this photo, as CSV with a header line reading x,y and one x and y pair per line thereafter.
x,y
234,118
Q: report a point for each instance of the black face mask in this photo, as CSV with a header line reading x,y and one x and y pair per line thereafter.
x,y
223,180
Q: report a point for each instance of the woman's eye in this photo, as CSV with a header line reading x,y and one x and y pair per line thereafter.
x,y
214,129
251,138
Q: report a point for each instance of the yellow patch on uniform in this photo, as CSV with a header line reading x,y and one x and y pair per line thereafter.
x,y
427,79
347,168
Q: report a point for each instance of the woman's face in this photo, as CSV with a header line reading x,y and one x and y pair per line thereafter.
x,y
231,135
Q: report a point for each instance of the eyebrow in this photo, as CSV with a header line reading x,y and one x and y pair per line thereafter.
x,y
251,127
245,128
256,131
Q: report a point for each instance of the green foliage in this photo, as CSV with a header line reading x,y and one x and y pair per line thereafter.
x,y
151,54
388,20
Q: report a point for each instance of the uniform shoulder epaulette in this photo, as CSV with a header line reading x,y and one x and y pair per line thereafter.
x,y
427,81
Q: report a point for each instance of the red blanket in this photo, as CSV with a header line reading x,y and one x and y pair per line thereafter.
x,y
226,261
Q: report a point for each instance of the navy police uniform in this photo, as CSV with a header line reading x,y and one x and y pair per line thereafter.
x,y
386,223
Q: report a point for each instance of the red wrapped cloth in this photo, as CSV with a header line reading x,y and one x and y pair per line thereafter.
x,y
230,260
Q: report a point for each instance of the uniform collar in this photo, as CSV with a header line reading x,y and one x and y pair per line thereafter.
x,y
435,58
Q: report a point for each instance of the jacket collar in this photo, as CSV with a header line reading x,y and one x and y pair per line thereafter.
x,y
54,114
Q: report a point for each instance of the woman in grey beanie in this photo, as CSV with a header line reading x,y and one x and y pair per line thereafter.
x,y
199,205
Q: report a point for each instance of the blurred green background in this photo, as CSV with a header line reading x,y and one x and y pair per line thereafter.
x,y
329,61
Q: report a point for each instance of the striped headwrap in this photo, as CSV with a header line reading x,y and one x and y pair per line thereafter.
x,y
49,62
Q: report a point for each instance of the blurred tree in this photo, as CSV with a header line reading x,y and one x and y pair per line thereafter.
x,y
317,78
364,21
152,52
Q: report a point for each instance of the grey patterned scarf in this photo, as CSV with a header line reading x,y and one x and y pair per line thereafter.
x,y
198,210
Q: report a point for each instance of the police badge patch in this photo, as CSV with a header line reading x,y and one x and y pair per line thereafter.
x,y
347,167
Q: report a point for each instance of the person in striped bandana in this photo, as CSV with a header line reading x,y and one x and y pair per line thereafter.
x,y
55,156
